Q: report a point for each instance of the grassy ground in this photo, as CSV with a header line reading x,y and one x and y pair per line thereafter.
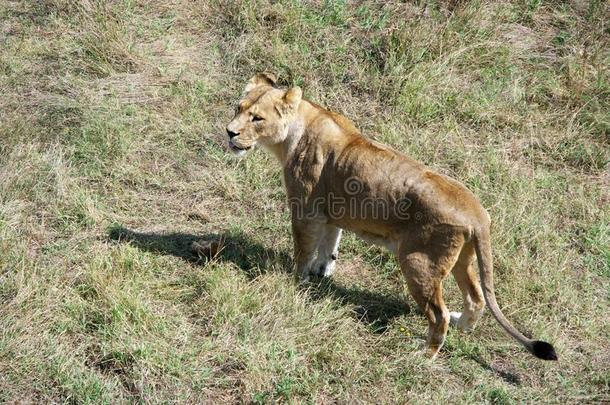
x,y
113,161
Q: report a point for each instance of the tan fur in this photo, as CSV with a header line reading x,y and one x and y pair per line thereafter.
x,y
442,230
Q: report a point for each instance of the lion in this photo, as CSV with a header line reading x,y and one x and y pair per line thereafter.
x,y
337,179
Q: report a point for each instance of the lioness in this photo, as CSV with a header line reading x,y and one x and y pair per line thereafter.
x,y
337,179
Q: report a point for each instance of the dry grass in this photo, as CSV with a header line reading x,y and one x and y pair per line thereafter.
x,y
113,161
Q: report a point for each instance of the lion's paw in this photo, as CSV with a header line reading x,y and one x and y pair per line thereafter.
x,y
454,318
323,268
461,321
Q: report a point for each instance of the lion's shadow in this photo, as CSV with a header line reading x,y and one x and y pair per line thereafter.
x,y
373,309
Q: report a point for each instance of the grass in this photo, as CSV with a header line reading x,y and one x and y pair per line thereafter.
x,y
113,161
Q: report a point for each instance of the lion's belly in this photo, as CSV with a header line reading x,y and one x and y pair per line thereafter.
x,y
370,232
387,242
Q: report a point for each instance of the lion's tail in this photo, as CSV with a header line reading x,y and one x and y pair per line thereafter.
x,y
538,348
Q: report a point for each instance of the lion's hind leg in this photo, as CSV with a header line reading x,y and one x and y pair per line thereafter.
x,y
467,281
425,268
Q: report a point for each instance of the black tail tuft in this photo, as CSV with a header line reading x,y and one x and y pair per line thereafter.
x,y
544,350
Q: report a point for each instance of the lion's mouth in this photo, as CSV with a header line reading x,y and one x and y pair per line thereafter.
x,y
236,148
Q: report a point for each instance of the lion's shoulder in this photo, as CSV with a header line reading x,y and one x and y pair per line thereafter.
x,y
345,123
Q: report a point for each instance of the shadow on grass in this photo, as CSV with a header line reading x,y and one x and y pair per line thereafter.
x,y
252,258
507,376
374,309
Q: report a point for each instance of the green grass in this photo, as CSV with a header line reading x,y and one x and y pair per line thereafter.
x,y
113,161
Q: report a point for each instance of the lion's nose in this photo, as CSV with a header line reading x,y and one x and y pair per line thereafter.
x,y
232,134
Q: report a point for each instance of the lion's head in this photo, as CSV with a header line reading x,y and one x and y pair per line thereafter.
x,y
263,114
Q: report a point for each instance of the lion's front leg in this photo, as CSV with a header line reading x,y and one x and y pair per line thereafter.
x,y
306,236
328,252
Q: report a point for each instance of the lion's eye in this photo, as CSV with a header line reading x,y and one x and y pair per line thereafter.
x,y
257,118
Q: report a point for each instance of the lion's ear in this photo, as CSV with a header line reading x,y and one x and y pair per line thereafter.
x,y
260,79
293,96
